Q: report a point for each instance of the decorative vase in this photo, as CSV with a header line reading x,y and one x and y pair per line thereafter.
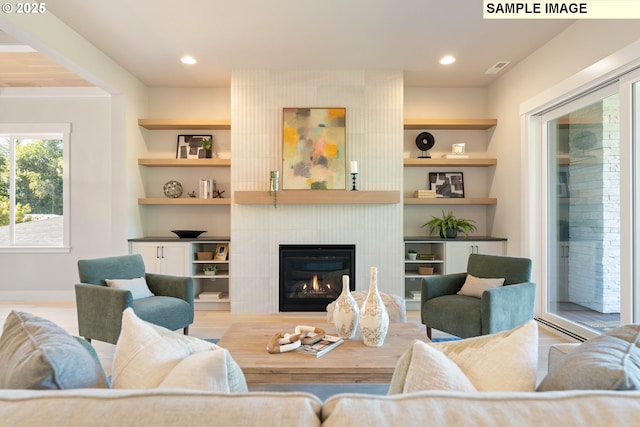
x,y
346,311
374,319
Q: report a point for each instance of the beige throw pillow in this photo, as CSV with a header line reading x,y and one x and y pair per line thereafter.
x,y
506,361
146,355
475,286
138,286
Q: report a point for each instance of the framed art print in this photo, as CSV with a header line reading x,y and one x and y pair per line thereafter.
x,y
191,147
446,184
313,148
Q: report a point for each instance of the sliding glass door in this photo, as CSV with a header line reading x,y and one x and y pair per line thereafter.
x,y
583,204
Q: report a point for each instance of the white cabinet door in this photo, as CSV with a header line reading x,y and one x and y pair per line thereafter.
x,y
457,253
163,257
456,256
150,255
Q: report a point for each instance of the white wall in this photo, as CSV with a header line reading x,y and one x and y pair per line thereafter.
x,y
573,50
100,228
52,275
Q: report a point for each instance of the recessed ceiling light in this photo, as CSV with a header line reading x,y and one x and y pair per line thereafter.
x,y
446,60
188,60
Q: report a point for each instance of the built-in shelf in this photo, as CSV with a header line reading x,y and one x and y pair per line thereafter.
x,y
184,162
451,201
182,124
450,162
460,124
182,201
316,197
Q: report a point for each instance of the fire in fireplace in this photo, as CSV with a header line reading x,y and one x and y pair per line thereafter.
x,y
311,275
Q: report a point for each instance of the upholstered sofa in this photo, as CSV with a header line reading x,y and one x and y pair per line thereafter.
x,y
159,408
155,371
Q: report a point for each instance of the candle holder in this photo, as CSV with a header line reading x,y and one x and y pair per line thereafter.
x,y
353,181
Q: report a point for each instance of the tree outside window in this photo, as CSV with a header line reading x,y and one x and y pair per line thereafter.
x,y
32,201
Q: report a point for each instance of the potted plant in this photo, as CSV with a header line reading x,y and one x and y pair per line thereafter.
x,y
448,225
207,143
210,270
412,254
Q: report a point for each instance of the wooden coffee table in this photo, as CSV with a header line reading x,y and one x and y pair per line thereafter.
x,y
351,362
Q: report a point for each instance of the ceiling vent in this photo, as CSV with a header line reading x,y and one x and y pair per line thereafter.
x,y
497,67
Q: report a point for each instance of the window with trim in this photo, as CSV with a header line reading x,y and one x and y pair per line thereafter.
x,y
34,191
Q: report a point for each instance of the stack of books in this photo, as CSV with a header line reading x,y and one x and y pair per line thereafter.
x,y
210,296
325,345
415,295
426,257
425,194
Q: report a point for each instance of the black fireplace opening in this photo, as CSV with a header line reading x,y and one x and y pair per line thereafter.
x,y
311,275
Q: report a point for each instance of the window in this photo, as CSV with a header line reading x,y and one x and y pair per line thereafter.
x,y
34,195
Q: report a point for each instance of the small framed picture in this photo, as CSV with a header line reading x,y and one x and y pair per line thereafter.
x,y
222,251
446,184
457,148
192,147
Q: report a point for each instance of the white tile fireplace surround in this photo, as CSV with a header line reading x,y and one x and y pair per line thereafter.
x,y
374,105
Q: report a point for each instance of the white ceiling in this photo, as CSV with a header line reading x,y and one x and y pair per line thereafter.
x,y
147,37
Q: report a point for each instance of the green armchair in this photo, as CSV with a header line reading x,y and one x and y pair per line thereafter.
x,y
100,307
499,309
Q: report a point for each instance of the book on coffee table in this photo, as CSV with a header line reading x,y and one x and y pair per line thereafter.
x,y
325,345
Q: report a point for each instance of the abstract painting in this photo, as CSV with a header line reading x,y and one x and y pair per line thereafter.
x,y
313,149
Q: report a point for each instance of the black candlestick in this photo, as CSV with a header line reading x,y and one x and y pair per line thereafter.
x,y
353,180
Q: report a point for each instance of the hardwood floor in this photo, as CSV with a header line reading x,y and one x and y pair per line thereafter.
x,y
213,324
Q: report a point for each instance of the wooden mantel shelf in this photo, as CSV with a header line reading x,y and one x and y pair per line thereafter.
x,y
317,197
177,124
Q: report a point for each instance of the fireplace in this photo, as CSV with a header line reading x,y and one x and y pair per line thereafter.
x,y
311,275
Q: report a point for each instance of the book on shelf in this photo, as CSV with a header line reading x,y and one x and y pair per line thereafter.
x,y
455,156
325,345
424,194
415,294
426,257
210,296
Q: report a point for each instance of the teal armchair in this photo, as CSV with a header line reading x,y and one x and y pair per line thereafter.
x,y
500,309
100,307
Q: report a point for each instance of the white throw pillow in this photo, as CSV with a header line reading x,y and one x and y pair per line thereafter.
x,y
138,286
506,361
475,286
146,354
431,369
206,370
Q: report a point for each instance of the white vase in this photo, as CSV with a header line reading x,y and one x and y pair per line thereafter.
x,y
346,311
374,319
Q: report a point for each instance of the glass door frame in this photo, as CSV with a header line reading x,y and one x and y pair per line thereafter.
x,y
536,202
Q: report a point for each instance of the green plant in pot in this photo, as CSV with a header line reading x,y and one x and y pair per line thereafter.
x,y
207,144
210,270
448,225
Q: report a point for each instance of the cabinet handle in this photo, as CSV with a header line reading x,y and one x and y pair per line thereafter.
x,y
162,251
477,249
157,252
